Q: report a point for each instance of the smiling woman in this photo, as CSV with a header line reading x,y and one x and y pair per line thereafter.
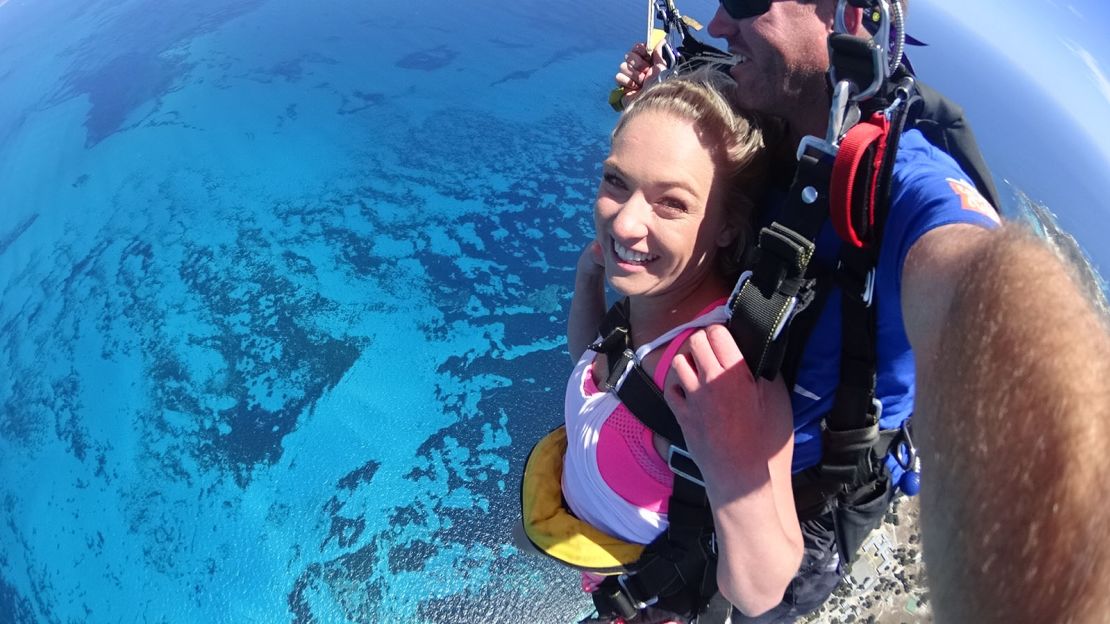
x,y
671,213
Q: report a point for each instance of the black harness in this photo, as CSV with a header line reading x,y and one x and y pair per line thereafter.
x,y
678,571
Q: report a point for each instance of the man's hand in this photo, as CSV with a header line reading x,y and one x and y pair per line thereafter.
x,y
638,68
1012,422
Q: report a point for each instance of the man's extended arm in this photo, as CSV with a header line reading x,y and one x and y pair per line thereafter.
x,y
1013,423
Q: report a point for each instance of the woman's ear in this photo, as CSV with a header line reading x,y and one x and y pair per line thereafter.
x,y
727,234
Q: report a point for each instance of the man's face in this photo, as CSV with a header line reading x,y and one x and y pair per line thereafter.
x,y
786,57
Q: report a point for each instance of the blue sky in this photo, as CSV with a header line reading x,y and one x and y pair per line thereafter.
x,y
1060,44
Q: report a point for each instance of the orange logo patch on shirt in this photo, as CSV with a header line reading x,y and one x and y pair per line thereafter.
x,y
971,199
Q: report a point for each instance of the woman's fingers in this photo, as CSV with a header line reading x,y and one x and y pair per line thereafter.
x,y
723,346
704,358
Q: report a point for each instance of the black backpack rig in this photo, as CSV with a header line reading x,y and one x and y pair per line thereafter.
x,y
844,177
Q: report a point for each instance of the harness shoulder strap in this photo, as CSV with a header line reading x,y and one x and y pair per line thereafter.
x,y
637,391
677,571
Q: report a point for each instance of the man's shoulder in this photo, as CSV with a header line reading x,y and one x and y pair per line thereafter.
x,y
917,158
926,176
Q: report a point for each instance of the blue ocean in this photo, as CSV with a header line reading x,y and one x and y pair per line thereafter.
x,y
283,292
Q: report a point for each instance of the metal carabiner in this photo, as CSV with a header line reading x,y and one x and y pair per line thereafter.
x,y
910,483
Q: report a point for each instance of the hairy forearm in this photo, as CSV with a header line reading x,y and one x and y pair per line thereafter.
x,y
1013,421
587,307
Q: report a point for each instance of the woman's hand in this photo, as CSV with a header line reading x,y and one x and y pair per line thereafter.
x,y
721,410
591,262
740,432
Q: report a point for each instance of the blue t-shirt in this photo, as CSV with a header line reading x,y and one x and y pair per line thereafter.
x,y
929,190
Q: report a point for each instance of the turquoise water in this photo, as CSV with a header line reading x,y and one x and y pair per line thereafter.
x,y
282,305
282,302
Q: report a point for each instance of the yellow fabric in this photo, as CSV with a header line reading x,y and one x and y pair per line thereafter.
x,y
657,36
556,531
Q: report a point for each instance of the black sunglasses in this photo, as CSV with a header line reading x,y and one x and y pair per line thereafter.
x,y
743,9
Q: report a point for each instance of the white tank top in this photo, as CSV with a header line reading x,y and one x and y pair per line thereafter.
x,y
587,493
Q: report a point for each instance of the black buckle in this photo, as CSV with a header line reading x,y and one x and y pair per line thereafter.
x,y
617,371
627,593
616,339
788,246
615,600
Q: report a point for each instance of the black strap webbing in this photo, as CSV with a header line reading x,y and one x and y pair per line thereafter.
x,y
778,286
677,571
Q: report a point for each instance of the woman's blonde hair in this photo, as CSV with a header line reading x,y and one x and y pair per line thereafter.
x,y
734,138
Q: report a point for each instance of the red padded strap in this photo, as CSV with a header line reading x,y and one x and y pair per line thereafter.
x,y
853,149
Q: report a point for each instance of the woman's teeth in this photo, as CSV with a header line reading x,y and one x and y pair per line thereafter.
x,y
627,255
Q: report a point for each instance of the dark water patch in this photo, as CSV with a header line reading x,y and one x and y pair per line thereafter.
x,y
22,421
359,101
415,514
411,557
80,180
141,69
291,70
298,264
466,152
515,600
520,329
85,267
359,476
523,74
509,45
121,86
431,59
67,409
560,56
345,531
336,578
7,239
278,364
527,409
14,607
356,251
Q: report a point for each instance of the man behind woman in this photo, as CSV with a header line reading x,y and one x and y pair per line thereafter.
x,y
673,225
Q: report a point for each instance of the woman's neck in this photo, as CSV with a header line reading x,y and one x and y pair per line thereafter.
x,y
653,316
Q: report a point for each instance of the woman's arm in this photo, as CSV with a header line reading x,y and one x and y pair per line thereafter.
x,y
744,456
587,307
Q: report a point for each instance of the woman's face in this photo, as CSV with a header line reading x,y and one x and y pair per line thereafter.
x,y
659,213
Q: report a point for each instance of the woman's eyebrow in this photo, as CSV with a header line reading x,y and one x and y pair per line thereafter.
x,y
686,185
